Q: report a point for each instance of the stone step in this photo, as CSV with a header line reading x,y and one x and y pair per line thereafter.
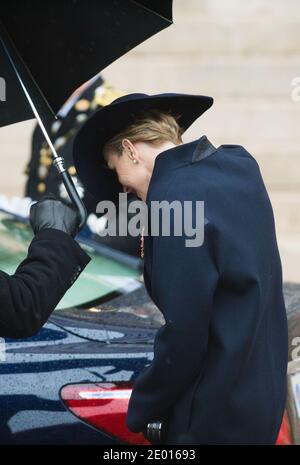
x,y
233,76
280,171
289,249
286,208
237,9
267,126
15,152
218,33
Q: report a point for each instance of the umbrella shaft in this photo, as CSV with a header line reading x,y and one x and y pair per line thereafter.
x,y
58,161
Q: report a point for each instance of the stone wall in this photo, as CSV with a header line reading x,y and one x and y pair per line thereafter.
x,y
243,53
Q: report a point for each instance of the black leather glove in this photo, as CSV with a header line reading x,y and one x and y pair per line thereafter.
x,y
50,212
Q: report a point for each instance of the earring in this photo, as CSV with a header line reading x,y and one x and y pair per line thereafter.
x,y
134,160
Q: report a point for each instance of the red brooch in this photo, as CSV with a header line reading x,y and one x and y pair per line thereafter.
x,y
142,242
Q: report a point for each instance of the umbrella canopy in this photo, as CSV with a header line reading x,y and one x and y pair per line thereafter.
x,y
47,49
65,43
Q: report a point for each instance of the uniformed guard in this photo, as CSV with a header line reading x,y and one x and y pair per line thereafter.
x,y
43,177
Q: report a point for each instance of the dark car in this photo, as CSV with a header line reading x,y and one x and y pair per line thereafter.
x,y
70,384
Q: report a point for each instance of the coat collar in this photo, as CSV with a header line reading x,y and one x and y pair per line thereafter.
x,y
180,155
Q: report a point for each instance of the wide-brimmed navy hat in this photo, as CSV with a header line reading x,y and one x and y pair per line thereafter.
x,y
109,120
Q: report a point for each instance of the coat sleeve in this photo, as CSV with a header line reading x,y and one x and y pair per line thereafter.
x,y
183,281
28,297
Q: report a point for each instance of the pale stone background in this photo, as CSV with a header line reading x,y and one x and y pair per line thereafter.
x,y
243,53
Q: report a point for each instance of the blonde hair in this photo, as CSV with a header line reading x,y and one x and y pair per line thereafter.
x,y
153,126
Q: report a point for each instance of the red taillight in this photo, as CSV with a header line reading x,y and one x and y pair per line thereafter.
x,y
103,406
284,436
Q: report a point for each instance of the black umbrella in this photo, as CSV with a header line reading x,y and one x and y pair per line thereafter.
x,y
48,48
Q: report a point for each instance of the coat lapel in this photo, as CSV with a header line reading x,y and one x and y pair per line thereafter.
x,y
203,149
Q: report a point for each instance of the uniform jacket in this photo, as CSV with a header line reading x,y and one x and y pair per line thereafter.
x,y
220,360
27,298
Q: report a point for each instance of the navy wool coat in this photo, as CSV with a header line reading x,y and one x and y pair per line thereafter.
x,y
27,298
220,360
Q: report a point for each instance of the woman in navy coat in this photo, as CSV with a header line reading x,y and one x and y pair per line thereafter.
x,y
218,375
